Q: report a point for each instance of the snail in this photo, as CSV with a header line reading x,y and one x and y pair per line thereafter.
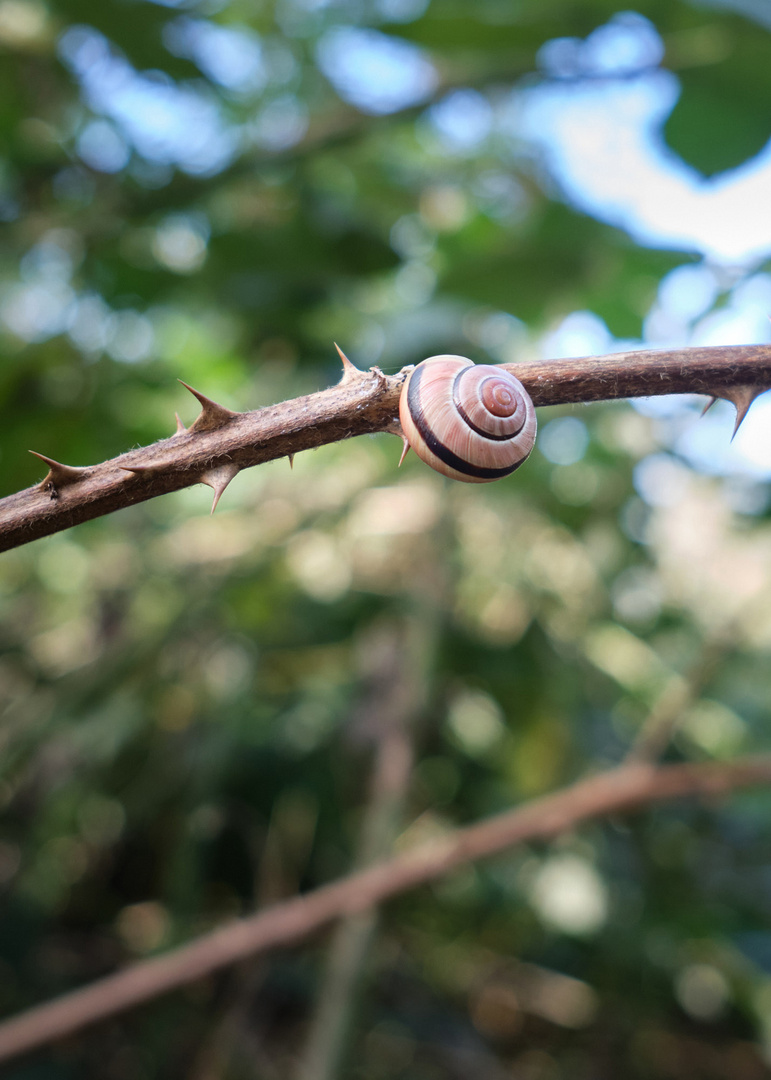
x,y
473,422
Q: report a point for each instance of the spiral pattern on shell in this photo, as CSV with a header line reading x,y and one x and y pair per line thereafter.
x,y
473,422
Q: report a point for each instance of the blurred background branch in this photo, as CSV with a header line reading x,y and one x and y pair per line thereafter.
x,y
616,791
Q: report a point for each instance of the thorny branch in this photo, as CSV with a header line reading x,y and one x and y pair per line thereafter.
x,y
618,790
220,443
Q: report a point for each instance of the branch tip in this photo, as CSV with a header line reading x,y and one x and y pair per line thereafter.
x,y
58,474
212,415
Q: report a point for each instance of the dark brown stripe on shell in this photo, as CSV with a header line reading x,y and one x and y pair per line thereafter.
x,y
438,448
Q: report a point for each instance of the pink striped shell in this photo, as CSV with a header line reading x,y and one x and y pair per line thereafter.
x,y
473,422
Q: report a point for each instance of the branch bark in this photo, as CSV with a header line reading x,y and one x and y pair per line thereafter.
x,y
618,790
219,444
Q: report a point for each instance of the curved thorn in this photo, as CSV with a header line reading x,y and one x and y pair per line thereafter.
x,y
742,397
394,427
350,371
218,479
212,415
740,414
58,474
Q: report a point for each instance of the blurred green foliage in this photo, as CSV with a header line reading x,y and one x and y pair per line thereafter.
x,y
188,700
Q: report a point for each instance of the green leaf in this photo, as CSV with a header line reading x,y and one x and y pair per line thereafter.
x,y
721,118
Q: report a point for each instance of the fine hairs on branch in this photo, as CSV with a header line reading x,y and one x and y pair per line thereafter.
x,y
221,442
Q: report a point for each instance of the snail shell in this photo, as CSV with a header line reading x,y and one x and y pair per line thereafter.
x,y
473,422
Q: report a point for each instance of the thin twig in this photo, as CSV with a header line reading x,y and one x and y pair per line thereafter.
x,y
620,789
220,443
399,657
680,692
678,695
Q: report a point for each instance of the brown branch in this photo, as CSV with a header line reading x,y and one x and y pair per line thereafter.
x,y
621,789
220,443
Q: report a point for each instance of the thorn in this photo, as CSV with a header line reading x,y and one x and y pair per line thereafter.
x,y
59,475
708,406
741,397
212,415
139,470
394,427
291,460
181,429
218,479
350,371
